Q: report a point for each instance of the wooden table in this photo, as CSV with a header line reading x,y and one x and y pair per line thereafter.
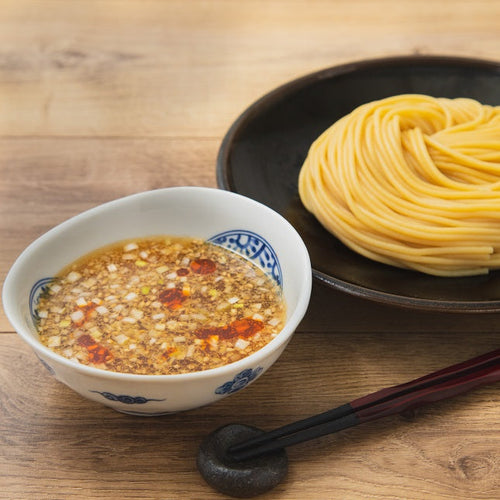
x,y
100,99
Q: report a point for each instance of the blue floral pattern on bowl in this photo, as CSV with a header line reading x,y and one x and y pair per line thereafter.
x,y
39,288
123,398
239,381
253,247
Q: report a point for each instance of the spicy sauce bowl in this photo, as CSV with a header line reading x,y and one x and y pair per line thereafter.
x,y
232,221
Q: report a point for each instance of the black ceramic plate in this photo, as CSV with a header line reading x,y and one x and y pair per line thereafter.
x,y
261,155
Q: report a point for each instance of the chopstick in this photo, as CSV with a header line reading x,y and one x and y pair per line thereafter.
x,y
435,386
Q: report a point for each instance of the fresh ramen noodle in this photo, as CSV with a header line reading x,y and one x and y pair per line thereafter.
x,y
411,181
160,306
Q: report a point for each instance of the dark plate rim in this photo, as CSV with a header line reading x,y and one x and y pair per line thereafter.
x,y
225,181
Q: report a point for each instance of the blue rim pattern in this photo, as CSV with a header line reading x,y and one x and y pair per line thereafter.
x,y
239,381
254,247
40,287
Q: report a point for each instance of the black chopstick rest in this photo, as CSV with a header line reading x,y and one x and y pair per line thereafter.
x,y
240,479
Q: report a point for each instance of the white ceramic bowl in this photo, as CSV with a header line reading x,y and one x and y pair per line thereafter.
x,y
228,219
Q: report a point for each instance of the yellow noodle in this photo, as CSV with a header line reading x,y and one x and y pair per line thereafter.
x,y
412,181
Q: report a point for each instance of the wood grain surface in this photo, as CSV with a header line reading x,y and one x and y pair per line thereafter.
x,y
103,98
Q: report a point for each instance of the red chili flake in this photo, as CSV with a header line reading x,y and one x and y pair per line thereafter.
x,y
97,353
100,355
172,298
244,328
247,327
170,351
183,271
203,266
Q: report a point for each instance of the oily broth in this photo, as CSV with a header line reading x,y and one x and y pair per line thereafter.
x,y
160,305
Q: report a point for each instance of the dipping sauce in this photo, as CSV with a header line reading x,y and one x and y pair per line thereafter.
x,y
158,306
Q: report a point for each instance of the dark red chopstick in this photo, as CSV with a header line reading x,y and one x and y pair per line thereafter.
x,y
436,386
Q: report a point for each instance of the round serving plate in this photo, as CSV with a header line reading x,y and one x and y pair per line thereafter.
x,y
263,151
